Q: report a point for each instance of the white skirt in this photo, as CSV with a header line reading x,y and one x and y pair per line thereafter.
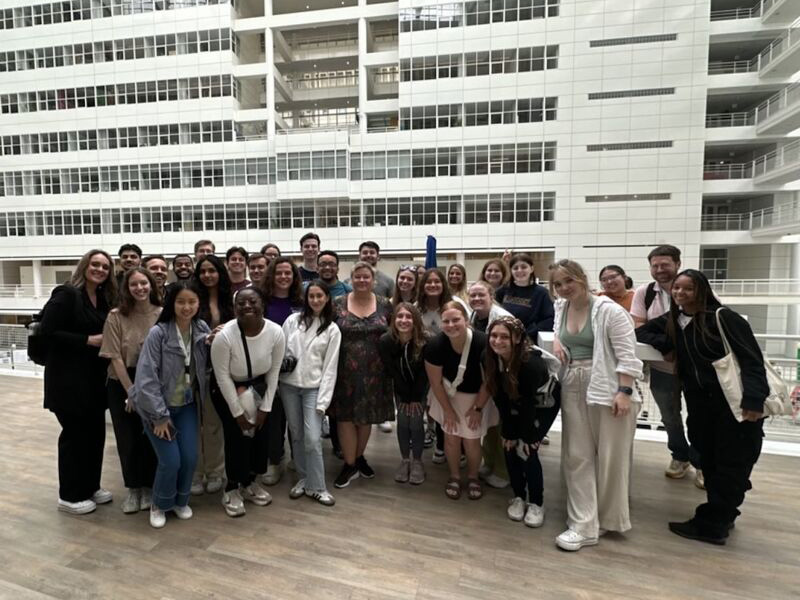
x,y
461,403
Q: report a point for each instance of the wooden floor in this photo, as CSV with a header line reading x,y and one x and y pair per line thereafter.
x,y
381,540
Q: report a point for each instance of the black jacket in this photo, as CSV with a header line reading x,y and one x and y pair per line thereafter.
x,y
74,374
694,354
520,419
408,374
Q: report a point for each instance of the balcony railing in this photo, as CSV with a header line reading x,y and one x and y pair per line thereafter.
x,y
728,171
756,287
733,222
736,119
790,153
736,13
789,39
783,214
729,67
320,83
775,105
25,291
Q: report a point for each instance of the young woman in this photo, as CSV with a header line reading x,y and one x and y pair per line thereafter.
x,y
74,379
313,339
282,289
515,372
363,396
595,342
123,335
401,352
246,354
405,285
484,307
458,399
457,280
170,381
525,299
614,282
728,448
495,272
216,309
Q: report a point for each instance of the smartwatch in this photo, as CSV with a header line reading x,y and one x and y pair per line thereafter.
x,y
625,390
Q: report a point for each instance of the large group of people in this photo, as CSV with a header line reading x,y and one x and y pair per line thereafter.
x,y
206,377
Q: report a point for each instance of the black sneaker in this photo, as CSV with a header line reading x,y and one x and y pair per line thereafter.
x,y
363,468
692,530
347,474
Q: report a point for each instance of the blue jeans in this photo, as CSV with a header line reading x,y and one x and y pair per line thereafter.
x,y
305,426
663,387
176,458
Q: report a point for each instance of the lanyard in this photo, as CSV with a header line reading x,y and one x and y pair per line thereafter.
x,y
187,354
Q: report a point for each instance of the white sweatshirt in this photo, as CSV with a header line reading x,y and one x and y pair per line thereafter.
x,y
317,357
230,366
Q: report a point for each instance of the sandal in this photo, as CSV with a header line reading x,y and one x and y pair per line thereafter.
x,y
453,488
474,489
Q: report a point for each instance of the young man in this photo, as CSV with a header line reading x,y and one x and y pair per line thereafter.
x,y
130,256
309,246
157,265
328,264
650,301
370,252
257,267
182,266
236,261
202,248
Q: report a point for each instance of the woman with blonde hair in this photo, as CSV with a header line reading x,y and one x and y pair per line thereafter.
x,y
457,280
595,342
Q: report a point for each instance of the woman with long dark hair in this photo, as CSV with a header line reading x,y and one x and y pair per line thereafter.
x,y
312,342
495,272
74,378
170,382
216,309
246,355
401,350
405,285
729,448
515,372
124,333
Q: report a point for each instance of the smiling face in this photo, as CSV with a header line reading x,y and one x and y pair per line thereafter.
x,y
522,272
183,267
257,268
236,264
317,299
98,269
455,277
406,281
283,277
566,286
310,249
129,259
613,282
248,304
480,300
664,269
159,270
404,321
328,268
454,325
501,341
368,255
209,276
362,280
493,274
433,286
684,293
139,287
187,303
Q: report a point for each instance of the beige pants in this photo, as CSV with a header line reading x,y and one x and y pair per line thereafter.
x,y
210,449
596,452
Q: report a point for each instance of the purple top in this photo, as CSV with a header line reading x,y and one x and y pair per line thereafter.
x,y
278,310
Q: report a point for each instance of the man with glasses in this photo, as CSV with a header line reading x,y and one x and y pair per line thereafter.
x,y
328,265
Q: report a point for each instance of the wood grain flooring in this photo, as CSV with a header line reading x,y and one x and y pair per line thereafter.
x,y
381,540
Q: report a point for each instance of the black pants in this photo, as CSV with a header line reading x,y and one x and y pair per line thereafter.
x,y
526,476
243,454
80,453
276,435
334,431
728,451
136,456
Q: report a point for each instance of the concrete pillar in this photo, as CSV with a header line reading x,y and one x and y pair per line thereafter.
x,y
363,84
269,58
37,278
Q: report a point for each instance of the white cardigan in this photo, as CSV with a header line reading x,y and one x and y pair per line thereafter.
x,y
495,312
317,357
614,349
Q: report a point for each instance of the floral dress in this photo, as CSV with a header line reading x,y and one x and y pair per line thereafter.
x,y
363,393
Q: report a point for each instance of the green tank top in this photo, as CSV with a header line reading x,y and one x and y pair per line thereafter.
x,y
581,344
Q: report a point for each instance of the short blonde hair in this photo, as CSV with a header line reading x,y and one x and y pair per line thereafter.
x,y
572,269
362,265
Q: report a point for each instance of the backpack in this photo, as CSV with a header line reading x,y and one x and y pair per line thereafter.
x,y
649,295
38,342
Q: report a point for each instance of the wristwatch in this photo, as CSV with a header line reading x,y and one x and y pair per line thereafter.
x,y
625,390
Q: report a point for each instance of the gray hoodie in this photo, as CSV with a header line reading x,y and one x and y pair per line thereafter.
x,y
160,364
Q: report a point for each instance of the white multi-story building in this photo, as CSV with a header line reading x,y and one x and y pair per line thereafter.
x,y
590,129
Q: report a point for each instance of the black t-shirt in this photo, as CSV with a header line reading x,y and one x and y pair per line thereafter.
x,y
439,352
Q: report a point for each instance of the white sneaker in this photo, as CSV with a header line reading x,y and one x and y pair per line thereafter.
x,y
325,497
256,494
572,541
273,475
197,488
132,501
534,516
494,481
213,485
516,509
233,503
102,496
157,517
438,457
77,508
182,512
146,498
677,469
385,427
298,490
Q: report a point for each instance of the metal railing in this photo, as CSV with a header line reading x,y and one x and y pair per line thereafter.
x,y
728,171
25,291
790,153
778,46
320,83
733,222
756,287
777,104
785,213
736,13
736,119
729,67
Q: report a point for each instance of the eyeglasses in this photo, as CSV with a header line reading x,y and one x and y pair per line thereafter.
x,y
609,278
409,268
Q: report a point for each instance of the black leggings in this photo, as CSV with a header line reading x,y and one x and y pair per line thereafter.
x,y
243,454
526,474
136,456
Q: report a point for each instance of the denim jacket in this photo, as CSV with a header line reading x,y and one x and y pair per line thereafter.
x,y
160,364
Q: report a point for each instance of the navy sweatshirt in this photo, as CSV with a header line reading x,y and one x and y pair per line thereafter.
x,y
531,304
407,374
